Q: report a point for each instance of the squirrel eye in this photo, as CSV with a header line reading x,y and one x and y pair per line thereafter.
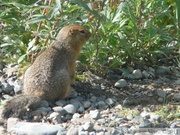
x,y
82,31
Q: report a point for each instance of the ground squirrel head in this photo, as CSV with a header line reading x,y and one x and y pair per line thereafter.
x,y
74,35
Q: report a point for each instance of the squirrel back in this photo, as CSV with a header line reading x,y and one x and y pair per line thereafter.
x,y
50,76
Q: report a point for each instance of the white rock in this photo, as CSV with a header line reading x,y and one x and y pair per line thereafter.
x,y
121,83
137,73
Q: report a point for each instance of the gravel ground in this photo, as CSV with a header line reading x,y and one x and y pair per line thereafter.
x,y
122,102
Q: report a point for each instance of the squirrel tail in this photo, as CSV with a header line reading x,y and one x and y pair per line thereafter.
x,y
19,105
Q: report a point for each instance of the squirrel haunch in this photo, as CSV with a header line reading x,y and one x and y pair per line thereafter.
x,y
50,76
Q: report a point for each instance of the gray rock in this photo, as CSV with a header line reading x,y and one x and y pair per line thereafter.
x,y
95,114
88,126
121,83
160,100
96,87
93,99
145,124
161,93
60,110
177,82
76,115
44,109
162,70
110,101
155,117
76,103
129,117
130,76
40,129
11,122
145,74
101,105
127,102
137,74
73,130
177,97
44,103
55,117
101,121
86,104
70,108
61,103
152,70
7,88
137,119
1,67
118,131
81,109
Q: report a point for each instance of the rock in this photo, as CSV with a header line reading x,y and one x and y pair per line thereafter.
x,y
160,100
101,121
145,124
88,126
61,103
145,74
80,66
76,103
96,87
161,93
76,115
55,117
44,109
70,108
127,102
93,99
86,104
155,117
110,102
177,82
27,128
162,70
95,114
130,117
121,83
44,103
73,130
60,110
177,97
7,88
101,105
137,74
130,76
137,119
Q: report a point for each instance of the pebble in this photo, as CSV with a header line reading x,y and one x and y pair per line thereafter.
x,y
145,124
110,102
162,70
137,74
70,108
177,97
88,126
60,103
60,110
55,117
145,74
95,114
73,130
86,104
177,82
121,83
161,93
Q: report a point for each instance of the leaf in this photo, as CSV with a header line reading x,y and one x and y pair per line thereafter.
x,y
39,18
21,58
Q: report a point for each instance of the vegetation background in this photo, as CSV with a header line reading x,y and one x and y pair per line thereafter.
x,y
124,32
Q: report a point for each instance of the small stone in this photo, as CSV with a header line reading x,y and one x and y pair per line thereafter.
x,y
121,83
129,117
60,110
137,73
55,117
155,117
44,109
44,103
177,97
177,82
7,88
17,86
160,100
73,130
130,76
95,114
137,119
145,74
145,124
93,99
76,102
76,115
61,103
162,70
86,104
110,101
102,105
70,108
127,102
161,93
88,126
101,121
